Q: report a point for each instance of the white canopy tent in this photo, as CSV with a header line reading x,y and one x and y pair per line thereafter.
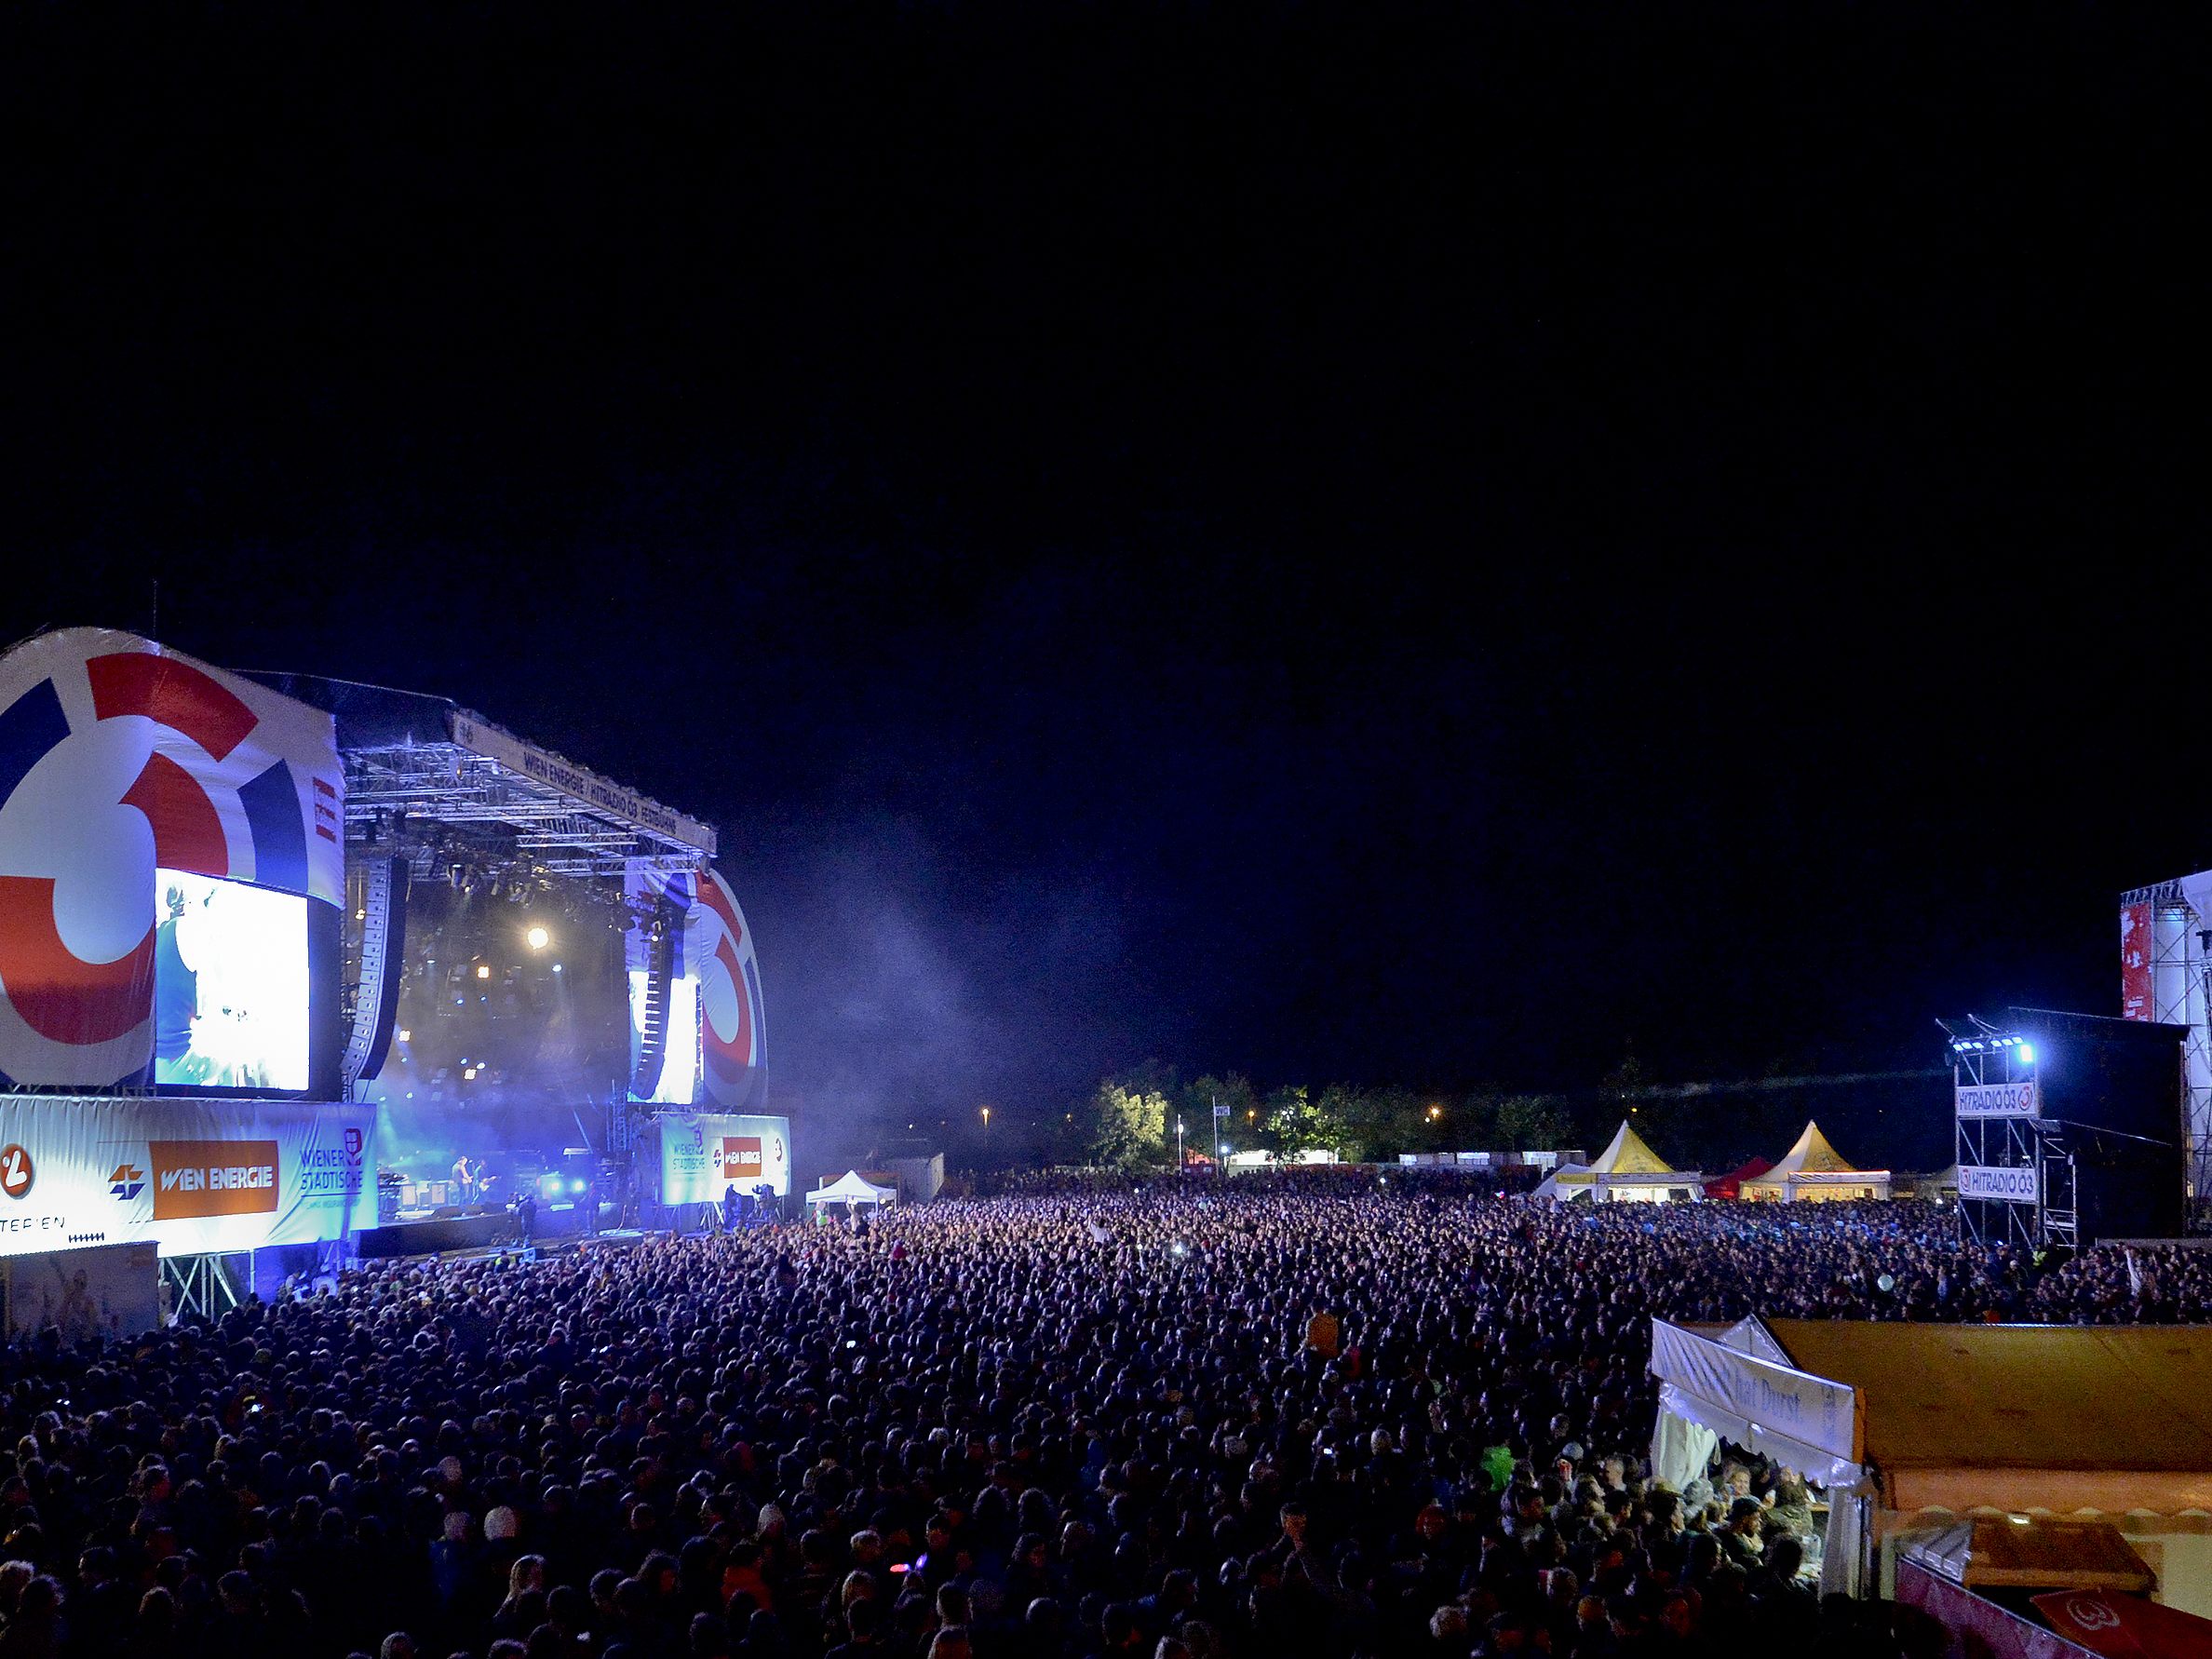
x,y
1813,1170
852,1187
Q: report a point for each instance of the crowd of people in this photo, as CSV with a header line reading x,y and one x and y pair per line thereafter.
x,y
1336,1418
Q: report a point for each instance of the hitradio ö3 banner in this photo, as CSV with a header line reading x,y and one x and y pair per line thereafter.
x,y
192,1176
119,759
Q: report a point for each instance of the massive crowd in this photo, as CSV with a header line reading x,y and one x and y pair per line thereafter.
x,y
1063,1425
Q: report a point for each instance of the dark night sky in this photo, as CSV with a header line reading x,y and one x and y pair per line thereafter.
x,y
1340,541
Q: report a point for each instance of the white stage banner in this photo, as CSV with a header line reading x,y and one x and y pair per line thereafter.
x,y
2000,1100
1807,1409
2006,1183
191,1176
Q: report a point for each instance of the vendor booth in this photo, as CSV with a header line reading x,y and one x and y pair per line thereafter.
x,y
852,1189
1626,1171
1811,1171
1909,1428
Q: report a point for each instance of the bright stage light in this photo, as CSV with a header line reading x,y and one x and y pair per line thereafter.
x,y
539,938
484,970
2026,1054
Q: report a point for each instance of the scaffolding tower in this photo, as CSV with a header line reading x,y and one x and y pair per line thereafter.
x,y
2181,987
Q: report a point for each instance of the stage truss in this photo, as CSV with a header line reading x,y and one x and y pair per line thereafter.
x,y
2182,994
556,830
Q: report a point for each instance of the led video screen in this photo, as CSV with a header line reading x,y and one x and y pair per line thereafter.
x,y
231,989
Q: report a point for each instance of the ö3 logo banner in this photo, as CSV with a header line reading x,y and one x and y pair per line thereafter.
x,y
118,758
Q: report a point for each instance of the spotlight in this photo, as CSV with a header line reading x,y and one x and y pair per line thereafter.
x,y
539,938
484,970
2026,1054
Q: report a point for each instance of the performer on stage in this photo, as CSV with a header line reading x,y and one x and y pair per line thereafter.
x,y
467,1180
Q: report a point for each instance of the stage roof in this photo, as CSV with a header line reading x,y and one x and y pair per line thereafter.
x,y
442,763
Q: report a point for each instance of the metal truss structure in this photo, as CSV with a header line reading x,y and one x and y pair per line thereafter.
x,y
547,829
2182,994
1982,1056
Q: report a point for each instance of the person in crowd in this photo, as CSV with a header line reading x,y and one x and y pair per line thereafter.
x,y
1068,1424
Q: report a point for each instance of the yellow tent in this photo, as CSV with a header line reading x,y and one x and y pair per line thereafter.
x,y
1625,1171
1812,1170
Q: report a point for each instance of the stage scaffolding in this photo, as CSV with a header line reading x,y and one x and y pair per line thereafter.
x,y
2045,1212
2182,994
555,830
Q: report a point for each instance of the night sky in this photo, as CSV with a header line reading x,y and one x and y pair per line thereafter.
x,y
1334,541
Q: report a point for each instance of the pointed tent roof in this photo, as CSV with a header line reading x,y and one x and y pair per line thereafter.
x,y
1811,1154
851,1187
1625,1153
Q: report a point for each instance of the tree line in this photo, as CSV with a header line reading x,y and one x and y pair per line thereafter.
x,y
1130,1121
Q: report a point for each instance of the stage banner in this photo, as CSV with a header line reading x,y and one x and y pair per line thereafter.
x,y
119,757
701,1155
111,1291
1809,1410
730,1058
1997,1100
2122,1626
2002,1183
2136,984
191,1176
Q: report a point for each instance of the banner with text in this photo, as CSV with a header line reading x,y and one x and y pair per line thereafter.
x,y
704,1154
1808,1409
2000,1100
2003,1183
192,1176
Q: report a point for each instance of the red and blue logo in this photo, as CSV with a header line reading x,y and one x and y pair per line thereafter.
x,y
118,758
732,1042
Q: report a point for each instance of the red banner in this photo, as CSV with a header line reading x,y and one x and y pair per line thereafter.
x,y
2135,999
2106,1622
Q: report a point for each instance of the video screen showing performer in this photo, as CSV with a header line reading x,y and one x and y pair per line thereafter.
x,y
230,985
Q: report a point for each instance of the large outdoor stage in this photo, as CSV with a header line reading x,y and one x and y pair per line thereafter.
x,y
270,944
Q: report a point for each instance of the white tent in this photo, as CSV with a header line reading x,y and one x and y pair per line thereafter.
x,y
1626,1171
1909,1425
850,1188
1814,1169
